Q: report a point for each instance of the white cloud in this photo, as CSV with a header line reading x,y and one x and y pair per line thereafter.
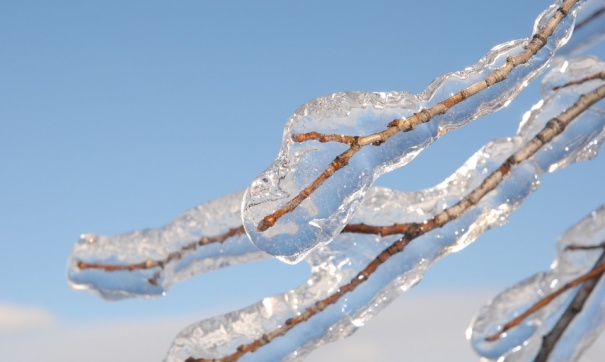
x,y
15,318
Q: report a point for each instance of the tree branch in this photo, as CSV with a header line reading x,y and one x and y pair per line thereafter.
x,y
538,41
413,230
594,274
554,127
175,255
550,340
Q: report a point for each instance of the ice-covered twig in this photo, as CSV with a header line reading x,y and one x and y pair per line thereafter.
x,y
554,315
397,126
591,279
596,272
538,40
599,75
532,307
161,263
145,263
357,275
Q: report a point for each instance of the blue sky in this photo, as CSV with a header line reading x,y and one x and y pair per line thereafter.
x,y
116,116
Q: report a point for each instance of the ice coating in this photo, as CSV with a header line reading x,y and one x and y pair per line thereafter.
x,y
523,342
338,264
589,28
145,263
323,214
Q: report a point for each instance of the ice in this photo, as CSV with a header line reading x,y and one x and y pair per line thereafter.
x,y
522,343
356,275
327,209
589,28
145,263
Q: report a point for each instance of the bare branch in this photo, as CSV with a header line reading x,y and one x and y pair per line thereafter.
x,y
538,41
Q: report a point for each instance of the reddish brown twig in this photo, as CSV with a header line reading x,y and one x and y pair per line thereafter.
x,y
404,125
321,137
175,255
550,340
597,271
413,230
585,247
378,230
600,75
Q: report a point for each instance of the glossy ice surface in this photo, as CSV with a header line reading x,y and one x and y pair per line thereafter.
x,y
321,216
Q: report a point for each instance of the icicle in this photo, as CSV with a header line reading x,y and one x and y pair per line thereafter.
x,y
523,342
327,209
340,296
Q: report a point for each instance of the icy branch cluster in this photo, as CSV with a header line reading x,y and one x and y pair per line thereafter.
x,y
327,210
145,263
355,274
335,264
339,261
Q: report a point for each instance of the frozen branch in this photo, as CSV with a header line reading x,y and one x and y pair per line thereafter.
x,y
146,263
412,230
590,281
384,240
367,258
500,74
554,315
397,125
595,273
275,322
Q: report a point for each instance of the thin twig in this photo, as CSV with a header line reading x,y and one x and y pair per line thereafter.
x,y
537,42
550,340
323,138
585,247
413,230
596,271
175,255
600,75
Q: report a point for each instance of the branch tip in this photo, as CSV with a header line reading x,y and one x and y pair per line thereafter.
x,y
267,222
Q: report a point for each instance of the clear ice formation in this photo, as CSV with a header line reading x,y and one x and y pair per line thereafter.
x,y
149,261
335,264
146,263
589,28
319,218
523,342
